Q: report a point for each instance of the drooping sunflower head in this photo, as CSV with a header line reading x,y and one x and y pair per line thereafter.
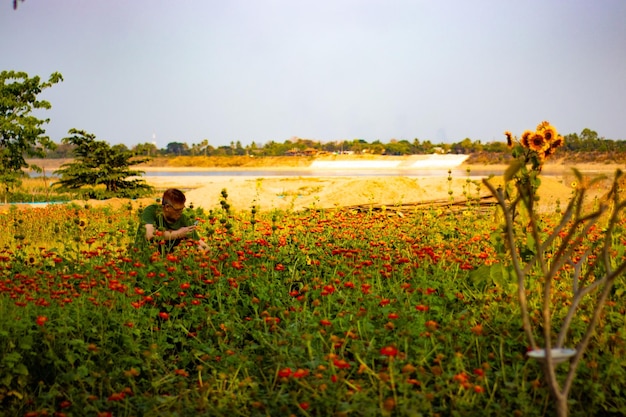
x,y
548,153
509,139
557,142
525,140
537,142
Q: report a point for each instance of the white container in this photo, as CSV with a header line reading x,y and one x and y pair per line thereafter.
x,y
558,354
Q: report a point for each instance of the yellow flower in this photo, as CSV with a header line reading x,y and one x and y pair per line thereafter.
x,y
549,133
541,126
538,143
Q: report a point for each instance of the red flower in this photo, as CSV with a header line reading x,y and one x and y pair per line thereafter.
x,y
300,373
41,320
118,396
304,405
164,315
389,351
461,377
421,307
341,363
328,289
393,316
285,373
325,322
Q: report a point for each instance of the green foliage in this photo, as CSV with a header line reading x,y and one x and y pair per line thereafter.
x,y
286,314
21,133
97,164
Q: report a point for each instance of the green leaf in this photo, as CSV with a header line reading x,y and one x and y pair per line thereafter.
x,y
11,358
500,275
26,343
82,371
481,276
512,170
20,369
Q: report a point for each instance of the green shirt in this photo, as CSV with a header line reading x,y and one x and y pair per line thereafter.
x,y
153,214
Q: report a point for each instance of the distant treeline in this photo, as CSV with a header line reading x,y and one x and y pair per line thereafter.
x,y
587,142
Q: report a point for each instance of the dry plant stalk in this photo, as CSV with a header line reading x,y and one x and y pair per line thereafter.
x,y
529,153
572,229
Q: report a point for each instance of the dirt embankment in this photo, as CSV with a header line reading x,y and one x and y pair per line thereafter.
x,y
297,193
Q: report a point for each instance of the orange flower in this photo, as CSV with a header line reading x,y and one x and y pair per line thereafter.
x,y
431,325
41,320
461,377
477,330
300,373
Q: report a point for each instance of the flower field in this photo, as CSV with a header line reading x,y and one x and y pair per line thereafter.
x,y
312,313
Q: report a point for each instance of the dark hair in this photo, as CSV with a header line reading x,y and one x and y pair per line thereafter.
x,y
173,195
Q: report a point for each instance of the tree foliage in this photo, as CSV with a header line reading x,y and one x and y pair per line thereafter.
x,y
96,164
21,133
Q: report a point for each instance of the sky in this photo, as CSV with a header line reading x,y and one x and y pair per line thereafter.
x,y
167,71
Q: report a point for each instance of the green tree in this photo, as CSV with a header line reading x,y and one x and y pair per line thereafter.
x,y
97,163
177,148
22,134
145,149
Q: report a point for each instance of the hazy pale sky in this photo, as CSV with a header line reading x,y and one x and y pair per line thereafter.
x,y
259,70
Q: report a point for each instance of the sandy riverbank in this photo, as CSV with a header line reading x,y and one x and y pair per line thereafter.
x,y
329,192
302,192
